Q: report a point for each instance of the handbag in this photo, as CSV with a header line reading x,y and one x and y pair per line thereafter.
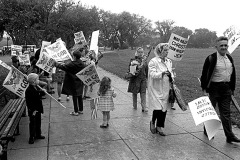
x,y
181,102
171,98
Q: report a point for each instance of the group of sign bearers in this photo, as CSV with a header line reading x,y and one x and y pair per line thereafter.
x,y
29,86
201,108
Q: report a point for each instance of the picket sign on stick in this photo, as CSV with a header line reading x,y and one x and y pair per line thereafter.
x,y
16,82
23,83
94,42
45,62
89,75
51,96
233,35
177,45
203,112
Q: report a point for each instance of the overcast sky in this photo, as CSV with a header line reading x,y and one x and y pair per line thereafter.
x,y
215,15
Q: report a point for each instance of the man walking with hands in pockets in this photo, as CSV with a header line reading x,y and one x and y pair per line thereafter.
x,y
218,81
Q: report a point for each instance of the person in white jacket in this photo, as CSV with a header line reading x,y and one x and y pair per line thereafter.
x,y
159,79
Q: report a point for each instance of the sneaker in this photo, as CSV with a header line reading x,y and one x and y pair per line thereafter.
x,y
59,99
173,108
67,99
80,112
144,110
74,113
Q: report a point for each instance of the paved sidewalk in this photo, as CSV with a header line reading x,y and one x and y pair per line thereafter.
x,y
128,136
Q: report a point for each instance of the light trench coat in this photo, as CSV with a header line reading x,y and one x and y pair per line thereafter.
x,y
158,84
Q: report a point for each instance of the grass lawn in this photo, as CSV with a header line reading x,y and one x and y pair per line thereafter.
x,y
187,70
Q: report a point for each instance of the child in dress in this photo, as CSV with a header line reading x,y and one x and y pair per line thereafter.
x,y
105,102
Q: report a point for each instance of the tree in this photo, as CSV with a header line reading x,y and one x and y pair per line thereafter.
x,y
202,38
182,31
108,25
132,26
164,29
22,18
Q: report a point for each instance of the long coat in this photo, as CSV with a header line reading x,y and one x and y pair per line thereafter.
x,y
159,84
138,83
72,85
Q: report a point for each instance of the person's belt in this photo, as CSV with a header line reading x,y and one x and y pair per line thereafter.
x,y
220,82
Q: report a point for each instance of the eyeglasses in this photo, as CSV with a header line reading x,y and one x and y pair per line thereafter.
x,y
223,45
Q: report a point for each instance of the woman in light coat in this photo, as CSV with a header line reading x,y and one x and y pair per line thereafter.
x,y
159,76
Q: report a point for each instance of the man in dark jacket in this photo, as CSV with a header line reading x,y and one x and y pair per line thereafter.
x,y
33,97
218,82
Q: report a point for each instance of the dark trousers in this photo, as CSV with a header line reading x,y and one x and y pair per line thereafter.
x,y
220,93
35,125
77,103
160,116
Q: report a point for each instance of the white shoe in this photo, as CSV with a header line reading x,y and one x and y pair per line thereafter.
x,y
59,99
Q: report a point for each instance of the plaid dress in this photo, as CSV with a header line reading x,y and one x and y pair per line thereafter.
x,y
105,102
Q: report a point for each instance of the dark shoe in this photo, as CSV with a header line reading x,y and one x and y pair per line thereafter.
x,y
233,139
40,137
152,128
31,140
103,126
161,133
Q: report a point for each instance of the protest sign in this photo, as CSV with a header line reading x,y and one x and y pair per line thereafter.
x,y
16,50
94,42
58,51
45,62
233,35
89,75
44,45
79,37
177,45
5,65
24,59
203,112
16,82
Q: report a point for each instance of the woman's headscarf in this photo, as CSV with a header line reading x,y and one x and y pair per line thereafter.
x,y
159,48
137,54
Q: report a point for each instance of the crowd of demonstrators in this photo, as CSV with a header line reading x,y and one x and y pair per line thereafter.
x,y
218,81
138,82
33,96
105,101
159,76
72,85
